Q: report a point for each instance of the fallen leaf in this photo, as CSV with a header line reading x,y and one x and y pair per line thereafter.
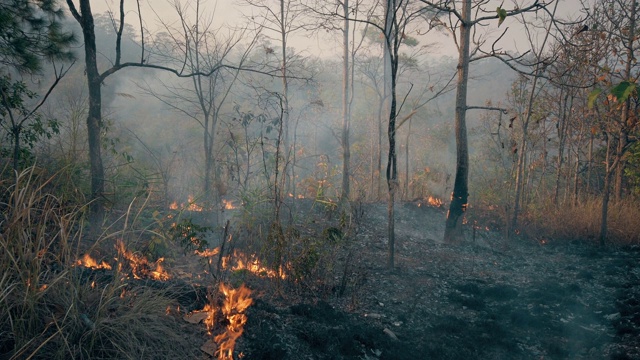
x,y
209,347
195,318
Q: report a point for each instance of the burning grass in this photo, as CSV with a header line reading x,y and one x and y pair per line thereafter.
x,y
230,316
50,308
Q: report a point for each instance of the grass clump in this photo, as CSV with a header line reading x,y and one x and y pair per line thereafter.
x,y
52,309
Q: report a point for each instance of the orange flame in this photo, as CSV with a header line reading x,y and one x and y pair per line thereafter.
x,y
192,205
140,266
236,303
433,201
228,204
208,252
89,262
252,264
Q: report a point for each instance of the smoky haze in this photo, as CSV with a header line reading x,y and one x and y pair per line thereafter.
x,y
155,121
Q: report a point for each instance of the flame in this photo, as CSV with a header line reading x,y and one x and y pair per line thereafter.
x,y
208,252
252,264
89,262
235,304
433,201
228,204
192,205
140,266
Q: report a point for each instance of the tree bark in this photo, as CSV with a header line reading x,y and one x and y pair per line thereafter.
x,y
94,118
346,153
391,37
453,228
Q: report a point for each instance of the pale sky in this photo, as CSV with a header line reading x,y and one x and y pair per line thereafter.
x,y
228,12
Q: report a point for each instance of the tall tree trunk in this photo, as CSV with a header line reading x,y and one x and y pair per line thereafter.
x,y
608,173
94,117
562,131
346,153
381,106
453,228
391,47
285,98
590,161
576,178
406,164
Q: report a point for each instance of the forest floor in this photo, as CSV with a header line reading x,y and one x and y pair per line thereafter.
x,y
488,298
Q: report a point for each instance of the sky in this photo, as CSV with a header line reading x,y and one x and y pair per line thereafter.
x,y
229,13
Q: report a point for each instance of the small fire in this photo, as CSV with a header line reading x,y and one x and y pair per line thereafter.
x,y
140,266
208,252
228,204
235,304
252,264
433,201
89,262
192,205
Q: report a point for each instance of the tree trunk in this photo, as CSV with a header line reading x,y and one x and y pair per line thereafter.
x,y
608,172
392,167
94,118
346,153
453,229
285,98
406,164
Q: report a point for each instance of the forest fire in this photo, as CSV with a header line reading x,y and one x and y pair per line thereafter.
x,y
191,205
252,264
141,267
207,252
233,310
235,304
89,262
433,201
228,204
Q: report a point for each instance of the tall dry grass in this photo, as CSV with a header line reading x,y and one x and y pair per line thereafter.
x,y
582,221
51,309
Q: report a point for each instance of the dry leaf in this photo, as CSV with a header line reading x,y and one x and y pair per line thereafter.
x,y
196,318
209,347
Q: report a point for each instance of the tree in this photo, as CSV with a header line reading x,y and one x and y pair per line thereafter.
x,y
617,22
25,124
201,97
84,16
459,20
30,33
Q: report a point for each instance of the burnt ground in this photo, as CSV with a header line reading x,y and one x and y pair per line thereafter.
x,y
486,299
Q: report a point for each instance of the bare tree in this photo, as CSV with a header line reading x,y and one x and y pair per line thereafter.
x,y
84,16
202,97
457,18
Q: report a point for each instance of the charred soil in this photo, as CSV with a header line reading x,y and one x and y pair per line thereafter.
x,y
488,298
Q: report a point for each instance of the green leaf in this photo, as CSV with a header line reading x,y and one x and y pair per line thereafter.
x,y
623,90
502,14
593,95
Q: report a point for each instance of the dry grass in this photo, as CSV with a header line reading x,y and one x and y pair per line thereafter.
x,y
582,222
50,309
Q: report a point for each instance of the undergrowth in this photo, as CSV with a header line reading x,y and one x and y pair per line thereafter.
x,y
567,222
51,309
